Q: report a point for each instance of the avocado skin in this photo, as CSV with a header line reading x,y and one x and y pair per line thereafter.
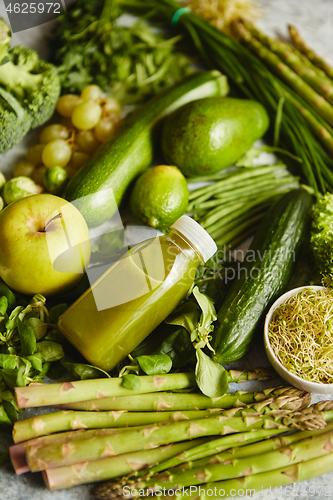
x,y
208,135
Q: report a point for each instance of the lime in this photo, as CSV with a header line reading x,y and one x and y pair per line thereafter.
x,y
159,196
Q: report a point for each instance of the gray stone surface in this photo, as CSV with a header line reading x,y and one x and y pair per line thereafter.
x,y
315,20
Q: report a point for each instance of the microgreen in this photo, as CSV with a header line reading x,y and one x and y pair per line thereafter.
x,y
301,335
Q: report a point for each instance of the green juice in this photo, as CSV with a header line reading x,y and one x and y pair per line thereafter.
x,y
131,298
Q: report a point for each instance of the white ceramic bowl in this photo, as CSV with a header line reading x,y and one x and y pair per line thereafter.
x,y
278,367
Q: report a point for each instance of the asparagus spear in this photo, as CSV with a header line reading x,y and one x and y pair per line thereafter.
x,y
308,52
323,134
251,484
288,75
17,451
111,467
323,85
312,447
247,375
189,401
84,390
54,455
48,423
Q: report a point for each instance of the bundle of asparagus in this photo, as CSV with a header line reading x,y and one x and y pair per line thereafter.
x,y
309,53
278,458
310,82
74,447
237,462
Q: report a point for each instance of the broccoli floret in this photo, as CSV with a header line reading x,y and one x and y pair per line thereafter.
x,y
33,82
322,237
15,121
5,39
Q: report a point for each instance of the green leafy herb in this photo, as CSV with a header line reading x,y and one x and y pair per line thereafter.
x,y
24,358
5,421
50,351
8,361
3,305
186,315
38,327
208,316
6,291
210,376
179,348
133,63
27,338
56,311
36,361
322,238
131,382
83,371
155,364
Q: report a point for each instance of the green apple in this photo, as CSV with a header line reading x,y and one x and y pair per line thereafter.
x,y
44,245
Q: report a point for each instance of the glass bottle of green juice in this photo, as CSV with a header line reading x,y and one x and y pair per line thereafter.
x,y
136,294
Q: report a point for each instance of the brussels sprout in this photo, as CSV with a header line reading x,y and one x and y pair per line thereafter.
x,y
2,180
19,187
55,179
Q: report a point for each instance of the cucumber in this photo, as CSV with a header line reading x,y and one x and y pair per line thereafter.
x,y
99,187
266,271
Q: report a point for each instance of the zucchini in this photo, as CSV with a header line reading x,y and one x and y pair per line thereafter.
x,y
98,188
266,271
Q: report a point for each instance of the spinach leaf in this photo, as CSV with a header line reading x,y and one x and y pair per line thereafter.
x,y
186,315
27,338
131,382
155,364
178,347
39,327
3,305
56,312
83,371
5,421
6,291
36,361
50,351
8,361
208,316
210,376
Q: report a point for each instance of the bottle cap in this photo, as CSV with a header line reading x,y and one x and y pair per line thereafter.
x,y
197,235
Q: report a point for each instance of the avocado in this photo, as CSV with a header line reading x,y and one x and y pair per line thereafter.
x,y
208,135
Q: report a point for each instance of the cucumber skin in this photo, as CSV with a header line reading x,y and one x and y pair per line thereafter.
x,y
278,239
119,161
